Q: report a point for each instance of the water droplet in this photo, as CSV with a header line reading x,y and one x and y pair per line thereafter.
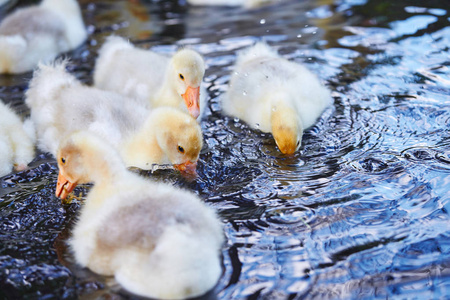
x,y
299,36
313,32
262,21
244,93
257,125
229,138
91,29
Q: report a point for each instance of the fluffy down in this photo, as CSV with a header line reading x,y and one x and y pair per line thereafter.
x,y
16,141
60,105
151,78
39,33
158,241
275,95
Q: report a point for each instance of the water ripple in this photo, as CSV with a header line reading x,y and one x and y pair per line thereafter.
x,y
361,211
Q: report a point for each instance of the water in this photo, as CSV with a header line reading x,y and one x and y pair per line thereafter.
x,y
361,211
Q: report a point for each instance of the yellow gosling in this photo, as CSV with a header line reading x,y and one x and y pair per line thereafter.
x,y
39,33
156,240
16,141
60,105
275,95
151,78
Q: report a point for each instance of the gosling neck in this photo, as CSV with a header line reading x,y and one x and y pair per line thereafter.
x,y
142,149
102,166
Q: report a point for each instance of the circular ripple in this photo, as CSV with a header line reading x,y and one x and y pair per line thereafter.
x,y
290,215
433,158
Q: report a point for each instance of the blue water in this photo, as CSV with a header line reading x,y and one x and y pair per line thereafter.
x,y
361,211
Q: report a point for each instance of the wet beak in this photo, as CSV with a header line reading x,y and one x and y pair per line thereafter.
x,y
64,187
192,99
287,149
187,167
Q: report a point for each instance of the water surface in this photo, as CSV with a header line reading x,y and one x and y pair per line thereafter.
x,y
361,211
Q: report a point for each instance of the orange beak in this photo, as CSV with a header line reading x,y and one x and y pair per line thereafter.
x,y
192,99
287,149
187,167
64,187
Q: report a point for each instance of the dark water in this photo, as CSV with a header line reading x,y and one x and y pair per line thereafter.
x,y
362,211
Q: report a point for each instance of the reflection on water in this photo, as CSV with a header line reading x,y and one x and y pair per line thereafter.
x,y
360,212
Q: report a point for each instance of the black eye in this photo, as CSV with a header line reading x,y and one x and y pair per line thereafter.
x,y
181,76
180,149
63,160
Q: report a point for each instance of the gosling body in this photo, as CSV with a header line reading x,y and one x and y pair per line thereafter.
x,y
16,141
60,105
39,33
156,240
275,95
151,78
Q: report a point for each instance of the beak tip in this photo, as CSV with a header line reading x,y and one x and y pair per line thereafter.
x,y
191,98
194,113
187,168
63,187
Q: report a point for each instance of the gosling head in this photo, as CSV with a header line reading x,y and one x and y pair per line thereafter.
x,y
70,167
180,137
287,130
187,75
82,158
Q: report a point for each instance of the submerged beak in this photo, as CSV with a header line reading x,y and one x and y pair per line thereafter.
x,y
192,99
287,149
64,187
187,167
